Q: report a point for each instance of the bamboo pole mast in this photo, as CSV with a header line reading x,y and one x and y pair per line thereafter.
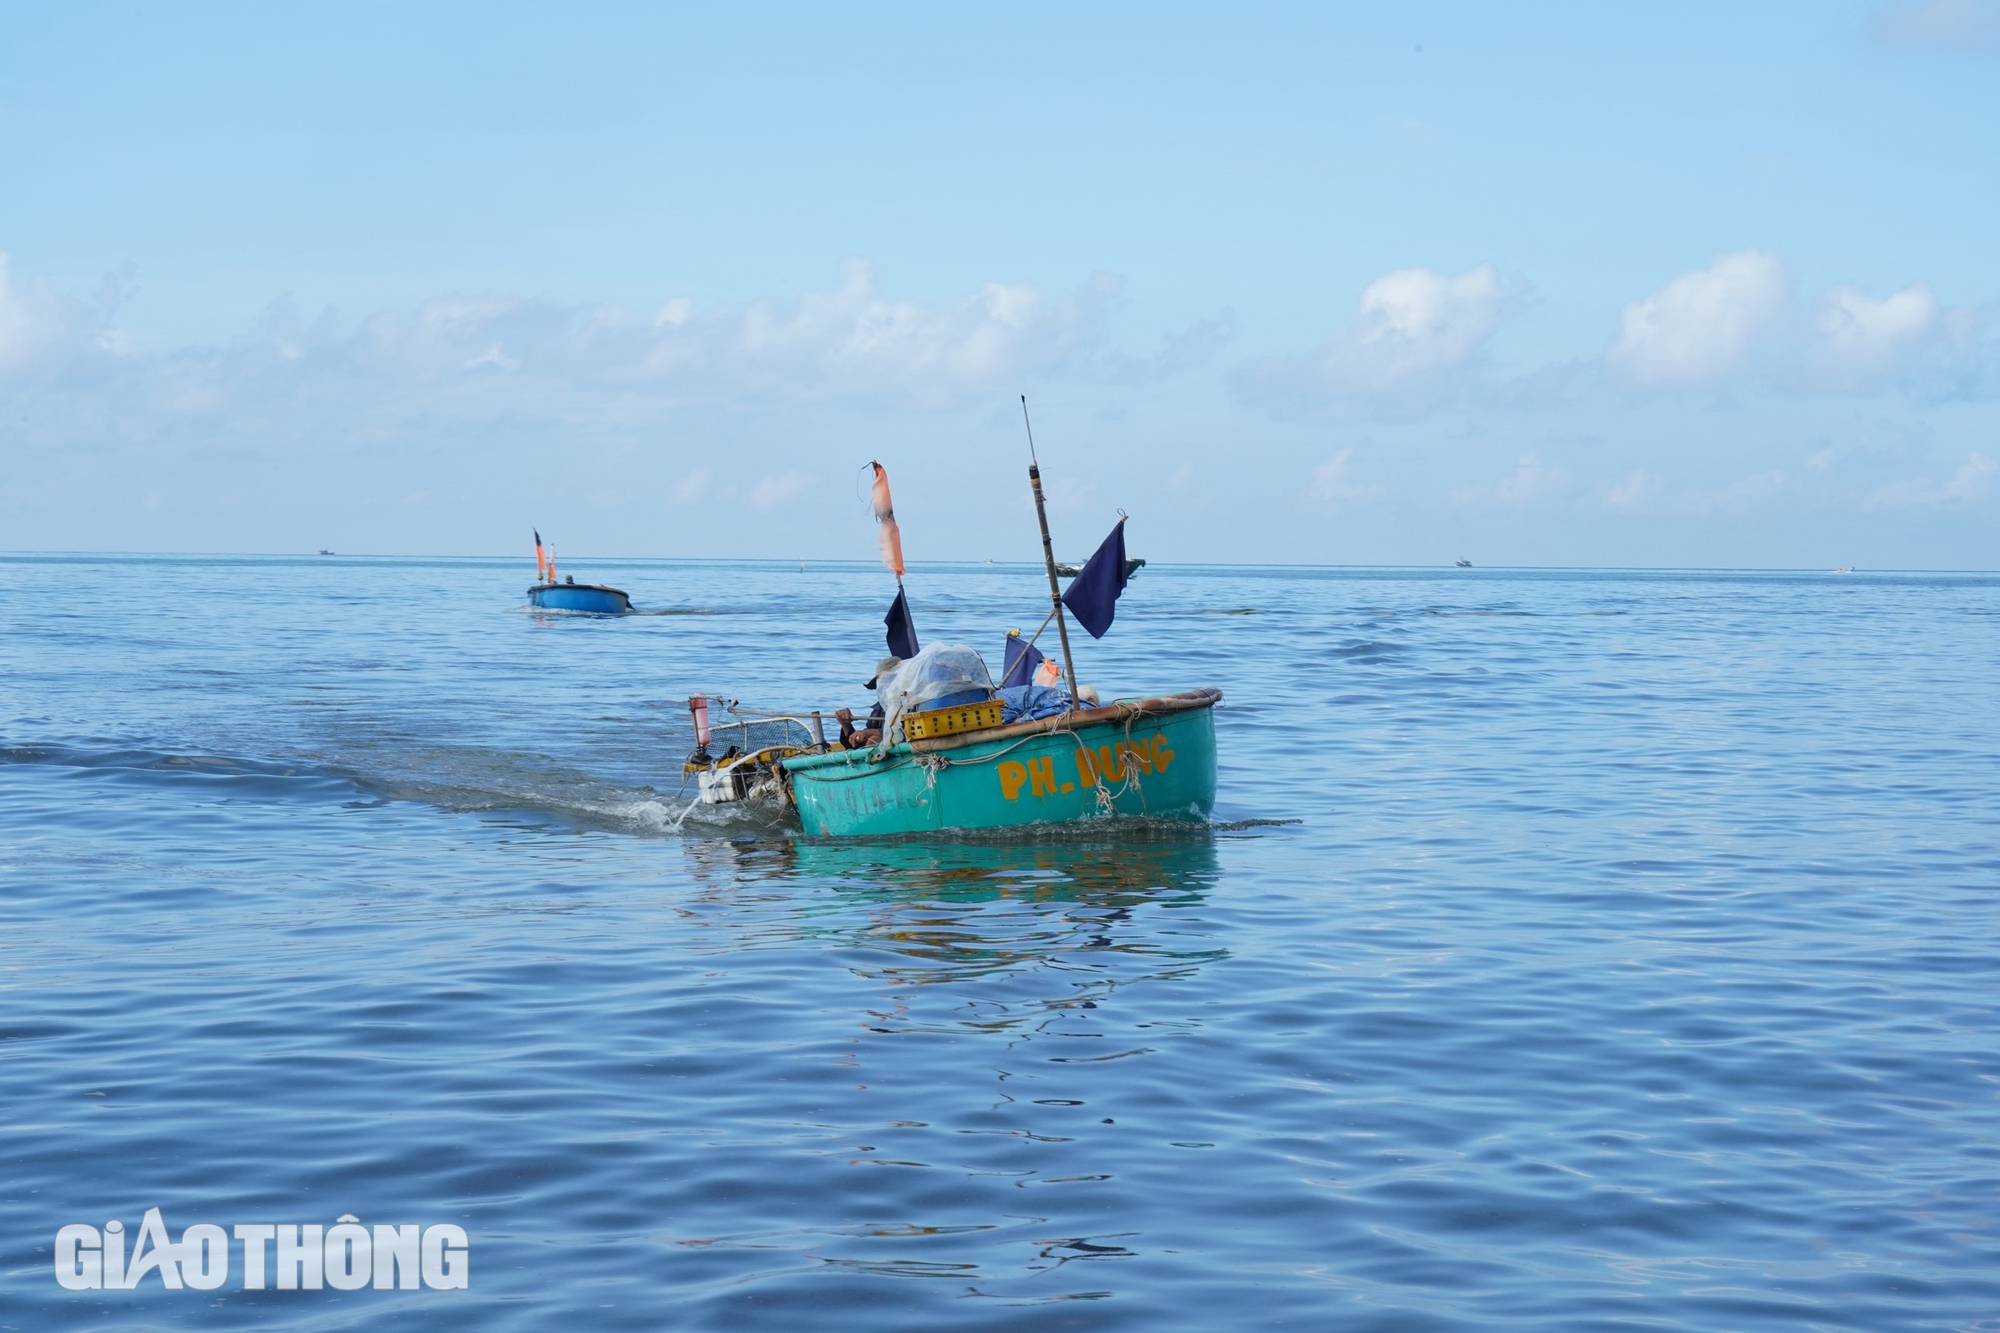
x,y
1049,556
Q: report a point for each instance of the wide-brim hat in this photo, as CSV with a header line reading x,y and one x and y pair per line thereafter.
x,y
882,668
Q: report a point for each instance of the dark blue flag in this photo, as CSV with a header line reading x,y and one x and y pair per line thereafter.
x,y
1093,593
902,631
1022,659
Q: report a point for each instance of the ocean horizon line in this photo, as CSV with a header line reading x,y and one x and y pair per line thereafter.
x,y
864,563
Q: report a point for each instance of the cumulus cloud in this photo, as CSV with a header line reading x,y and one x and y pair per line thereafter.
x,y
1413,329
849,341
1531,481
691,489
1333,481
1416,322
1736,320
488,355
775,492
1638,486
16,325
1858,338
1699,328
40,328
1972,481
853,339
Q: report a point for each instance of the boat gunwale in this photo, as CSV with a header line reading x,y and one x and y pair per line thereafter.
x,y
1118,711
577,587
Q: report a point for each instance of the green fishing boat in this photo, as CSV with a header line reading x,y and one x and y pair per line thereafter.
x,y
1147,757
948,749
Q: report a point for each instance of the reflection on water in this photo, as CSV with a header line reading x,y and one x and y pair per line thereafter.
x,y
1053,915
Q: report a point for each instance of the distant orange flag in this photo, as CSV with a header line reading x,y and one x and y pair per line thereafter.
x,y
891,537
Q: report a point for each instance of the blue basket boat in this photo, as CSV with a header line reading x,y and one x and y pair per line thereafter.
x,y
588,598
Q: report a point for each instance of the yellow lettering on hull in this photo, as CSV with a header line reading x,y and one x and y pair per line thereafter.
x,y
1109,763
1013,776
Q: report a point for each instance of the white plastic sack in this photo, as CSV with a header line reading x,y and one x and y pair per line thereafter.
x,y
937,671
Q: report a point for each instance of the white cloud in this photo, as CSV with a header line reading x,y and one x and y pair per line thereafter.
x,y
17,326
1416,322
1333,481
1735,319
772,492
1413,328
853,341
41,327
1860,338
690,489
1945,23
1702,325
1530,481
491,357
494,357
1638,486
1973,480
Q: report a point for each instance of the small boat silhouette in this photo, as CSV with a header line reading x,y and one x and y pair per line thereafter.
x,y
1132,566
1462,563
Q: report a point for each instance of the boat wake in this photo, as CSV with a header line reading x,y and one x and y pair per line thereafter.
x,y
532,791
133,764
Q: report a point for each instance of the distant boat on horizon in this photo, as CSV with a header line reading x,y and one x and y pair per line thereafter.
x,y
1132,566
1462,563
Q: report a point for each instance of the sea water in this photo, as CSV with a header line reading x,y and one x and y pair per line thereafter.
x,y
1569,951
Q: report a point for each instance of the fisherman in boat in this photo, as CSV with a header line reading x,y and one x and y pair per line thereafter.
x,y
855,738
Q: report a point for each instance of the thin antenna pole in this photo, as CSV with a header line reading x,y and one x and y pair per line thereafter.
x,y
1049,556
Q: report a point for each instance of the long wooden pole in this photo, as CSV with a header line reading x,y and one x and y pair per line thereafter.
x,y
1049,556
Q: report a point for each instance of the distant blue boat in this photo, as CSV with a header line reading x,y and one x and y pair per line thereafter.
x,y
591,598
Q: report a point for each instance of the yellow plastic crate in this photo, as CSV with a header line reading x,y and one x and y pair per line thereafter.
x,y
949,721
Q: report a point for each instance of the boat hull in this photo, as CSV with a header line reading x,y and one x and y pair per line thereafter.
x,y
592,598
1154,758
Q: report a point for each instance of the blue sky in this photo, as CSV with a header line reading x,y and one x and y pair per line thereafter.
x,y
1689,284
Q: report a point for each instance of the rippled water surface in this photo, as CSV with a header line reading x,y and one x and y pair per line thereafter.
x,y
1619,952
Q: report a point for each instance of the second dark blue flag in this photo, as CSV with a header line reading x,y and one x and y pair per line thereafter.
x,y
1093,593
902,630
1022,659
